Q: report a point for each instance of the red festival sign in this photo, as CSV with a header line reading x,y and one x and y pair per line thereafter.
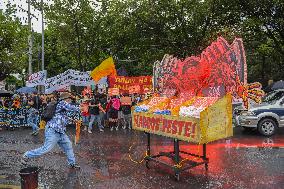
x,y
126,84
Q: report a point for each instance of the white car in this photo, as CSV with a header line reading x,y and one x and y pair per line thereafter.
x,y
266,117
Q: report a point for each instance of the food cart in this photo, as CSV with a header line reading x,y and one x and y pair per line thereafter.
x,y
210,119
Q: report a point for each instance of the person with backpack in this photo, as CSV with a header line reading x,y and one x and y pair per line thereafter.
x,y
55,131
112,108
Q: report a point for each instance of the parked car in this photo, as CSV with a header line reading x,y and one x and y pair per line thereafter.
x,y
266,117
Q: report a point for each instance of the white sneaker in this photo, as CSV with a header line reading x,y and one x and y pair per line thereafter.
x,y
124,127
111,129
89,131
101,130
116,128
85,128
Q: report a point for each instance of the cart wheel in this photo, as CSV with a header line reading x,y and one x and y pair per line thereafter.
x,y
147,164
177,176
206,166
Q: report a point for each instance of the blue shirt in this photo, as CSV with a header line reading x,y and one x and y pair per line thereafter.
x,y
60,120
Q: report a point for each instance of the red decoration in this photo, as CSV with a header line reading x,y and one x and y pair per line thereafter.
x,y
213,73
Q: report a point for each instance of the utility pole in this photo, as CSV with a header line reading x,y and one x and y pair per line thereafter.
x,y
42,37
30,39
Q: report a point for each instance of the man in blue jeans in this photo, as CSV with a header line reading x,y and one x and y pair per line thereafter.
x,y
55,133
94,110
33,114
33,118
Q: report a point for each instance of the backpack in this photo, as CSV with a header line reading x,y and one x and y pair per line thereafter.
x,y
49,111
115,104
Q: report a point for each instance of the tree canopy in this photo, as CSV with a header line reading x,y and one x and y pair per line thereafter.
x,y
13,43
81,33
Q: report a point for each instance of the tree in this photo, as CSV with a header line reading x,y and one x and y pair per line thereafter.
x,y
13,43
136,33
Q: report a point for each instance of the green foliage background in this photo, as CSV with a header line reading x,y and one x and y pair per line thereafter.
x,y
81,33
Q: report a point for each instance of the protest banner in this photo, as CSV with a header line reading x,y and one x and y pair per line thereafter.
x,y
124,84
72,77
14,117
36,79
64,80
126,100
18,117
134,89
113,91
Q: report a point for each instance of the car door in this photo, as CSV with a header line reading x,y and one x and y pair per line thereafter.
x,y
278,108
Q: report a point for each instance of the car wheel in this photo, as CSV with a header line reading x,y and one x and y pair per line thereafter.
x,y
267,127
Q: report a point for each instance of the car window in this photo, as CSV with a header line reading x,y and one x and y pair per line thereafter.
x,y
272,97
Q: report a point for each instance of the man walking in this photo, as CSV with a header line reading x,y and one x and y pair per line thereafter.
x,y
55,133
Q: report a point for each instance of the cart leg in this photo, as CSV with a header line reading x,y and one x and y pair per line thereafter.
x,y
148,150
176,150
176,158
204,157
148,144
177,176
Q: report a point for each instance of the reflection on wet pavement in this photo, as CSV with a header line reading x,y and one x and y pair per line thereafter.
x,y
246,160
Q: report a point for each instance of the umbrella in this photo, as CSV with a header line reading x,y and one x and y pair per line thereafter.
x,y
278,85
5,93
26,90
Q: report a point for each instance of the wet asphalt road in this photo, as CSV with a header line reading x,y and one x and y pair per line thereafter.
x,y
247,160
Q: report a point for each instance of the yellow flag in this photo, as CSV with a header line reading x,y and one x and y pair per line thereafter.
x,y
104,69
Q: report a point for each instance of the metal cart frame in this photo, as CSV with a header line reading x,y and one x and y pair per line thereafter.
x,y
175,156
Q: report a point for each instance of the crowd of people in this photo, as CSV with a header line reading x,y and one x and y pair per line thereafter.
x,y
106,111
100,110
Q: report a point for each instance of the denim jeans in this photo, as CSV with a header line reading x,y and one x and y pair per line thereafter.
x,y
85,120
97,119
102,117
33,121
51,139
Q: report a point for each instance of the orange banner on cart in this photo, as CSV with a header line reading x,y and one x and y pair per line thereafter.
x,y
186,129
